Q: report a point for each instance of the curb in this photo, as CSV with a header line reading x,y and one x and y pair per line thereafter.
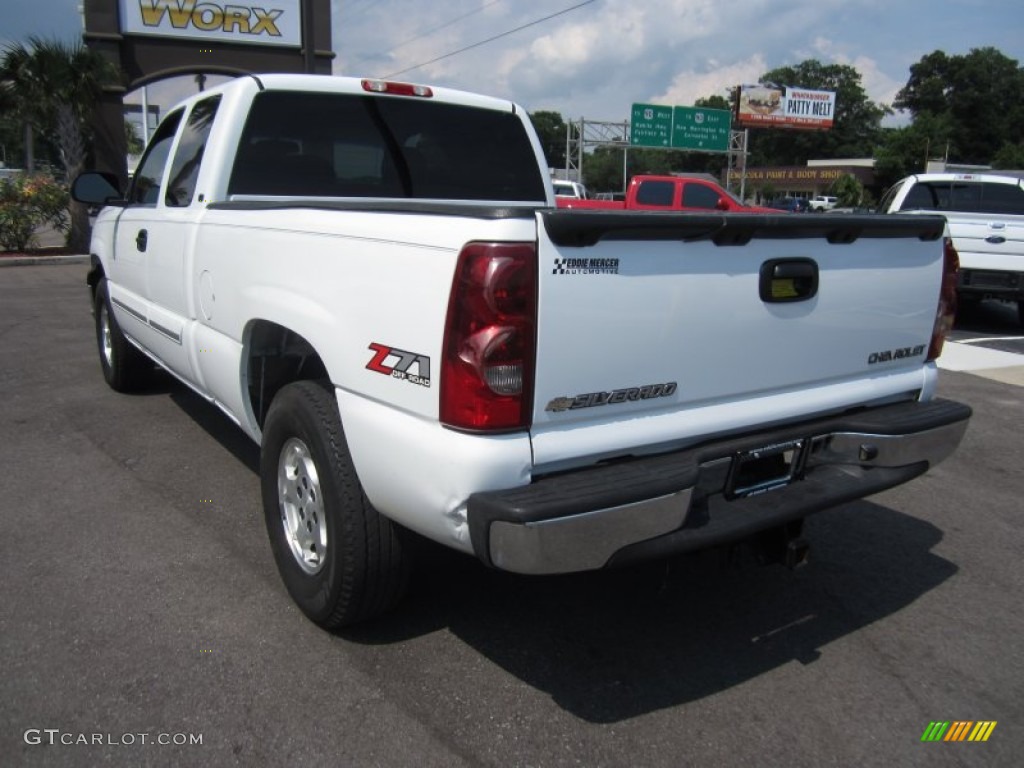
x,y
33,261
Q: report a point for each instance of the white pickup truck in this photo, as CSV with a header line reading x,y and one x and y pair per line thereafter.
x,y
418,345
822,203
985,213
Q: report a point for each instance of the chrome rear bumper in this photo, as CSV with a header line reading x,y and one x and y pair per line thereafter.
x,y
710,494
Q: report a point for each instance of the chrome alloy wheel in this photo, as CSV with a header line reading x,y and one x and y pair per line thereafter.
x,y
302,506
106,343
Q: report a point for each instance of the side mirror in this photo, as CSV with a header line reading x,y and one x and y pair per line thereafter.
x,y
722,204
97,188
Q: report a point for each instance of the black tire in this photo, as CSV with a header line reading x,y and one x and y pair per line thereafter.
x,y
125,368
1020,312
342,561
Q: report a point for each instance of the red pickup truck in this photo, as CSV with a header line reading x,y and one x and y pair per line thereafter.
x,y
669,193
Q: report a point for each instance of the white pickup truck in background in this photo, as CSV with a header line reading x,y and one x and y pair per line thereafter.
x,y
986,221
822,203
420,346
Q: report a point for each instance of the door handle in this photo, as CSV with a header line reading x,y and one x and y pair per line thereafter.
x,y
141,240
784,280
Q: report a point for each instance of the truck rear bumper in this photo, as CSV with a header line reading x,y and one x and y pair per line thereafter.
x,y
991,284
710,494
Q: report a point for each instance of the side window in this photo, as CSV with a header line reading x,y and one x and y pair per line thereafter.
x,y
146,181
185,168
655,193
699,196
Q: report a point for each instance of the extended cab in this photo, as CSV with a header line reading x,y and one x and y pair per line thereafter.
x,y
986,221
417,345
669,193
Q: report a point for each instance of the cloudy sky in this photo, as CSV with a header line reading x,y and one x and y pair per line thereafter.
x,y
594,59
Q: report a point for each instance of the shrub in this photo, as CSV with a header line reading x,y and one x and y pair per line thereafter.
x,y
27,203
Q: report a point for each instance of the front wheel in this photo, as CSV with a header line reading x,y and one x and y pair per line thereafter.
x,y
341,561
125,368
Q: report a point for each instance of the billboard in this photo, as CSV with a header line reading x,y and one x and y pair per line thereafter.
x,y
770,106
263,22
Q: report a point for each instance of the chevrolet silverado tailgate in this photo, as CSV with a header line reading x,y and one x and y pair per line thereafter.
x,y
680,324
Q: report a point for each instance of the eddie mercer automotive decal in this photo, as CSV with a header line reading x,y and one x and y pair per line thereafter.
x,y
397,362
590,266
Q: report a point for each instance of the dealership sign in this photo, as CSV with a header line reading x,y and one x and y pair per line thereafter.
x,y
265,22
770,106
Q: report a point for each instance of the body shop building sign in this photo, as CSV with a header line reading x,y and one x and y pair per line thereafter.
x,y
265,22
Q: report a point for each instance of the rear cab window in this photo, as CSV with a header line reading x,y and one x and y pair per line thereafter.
x,y
653,192
351,145
181,184
965,196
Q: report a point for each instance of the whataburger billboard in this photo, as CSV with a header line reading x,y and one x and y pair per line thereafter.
x,y
263,22
770,106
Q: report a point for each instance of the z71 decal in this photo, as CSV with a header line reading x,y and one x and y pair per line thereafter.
x,y
397,362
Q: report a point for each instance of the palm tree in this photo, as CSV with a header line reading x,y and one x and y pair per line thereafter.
x,y
55,86
22,94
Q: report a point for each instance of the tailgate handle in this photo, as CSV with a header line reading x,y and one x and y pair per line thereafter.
x,y
784,280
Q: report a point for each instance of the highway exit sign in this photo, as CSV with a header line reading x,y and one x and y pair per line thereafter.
x,y
689,128
651,126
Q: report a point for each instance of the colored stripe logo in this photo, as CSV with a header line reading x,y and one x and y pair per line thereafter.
x,y
958,730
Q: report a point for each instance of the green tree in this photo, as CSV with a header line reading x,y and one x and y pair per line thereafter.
x,y
24,95
1010,157
55,87
849,191
602,169
857,123
551,130
903,151
713,102
980,95
132,139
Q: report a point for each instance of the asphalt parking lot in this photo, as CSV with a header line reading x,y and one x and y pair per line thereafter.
x,y
141,604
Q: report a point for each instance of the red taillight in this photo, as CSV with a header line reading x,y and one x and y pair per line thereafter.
x,y
490,338
397,89
945,313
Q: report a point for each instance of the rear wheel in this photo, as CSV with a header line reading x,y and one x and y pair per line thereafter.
x,y
125,368
341,561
